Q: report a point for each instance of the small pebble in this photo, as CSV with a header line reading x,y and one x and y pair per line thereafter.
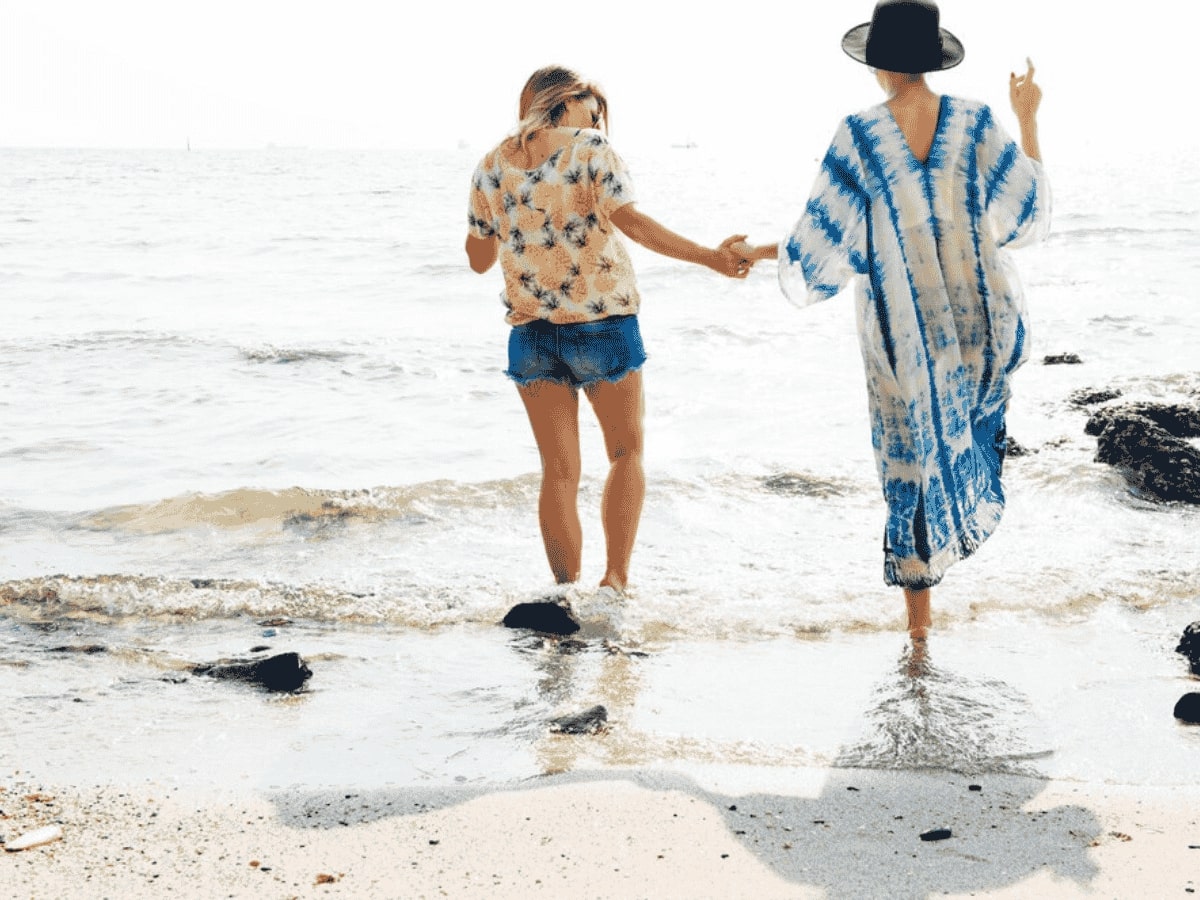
x,y
974,787
937,834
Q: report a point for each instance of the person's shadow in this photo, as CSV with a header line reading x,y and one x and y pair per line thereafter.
x,y
943,753
940,796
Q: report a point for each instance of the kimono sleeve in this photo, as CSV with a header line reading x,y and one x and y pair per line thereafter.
x,y
827,247
481,221
612,186
1016,192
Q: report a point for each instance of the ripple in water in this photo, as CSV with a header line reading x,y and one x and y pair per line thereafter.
x,y
928,718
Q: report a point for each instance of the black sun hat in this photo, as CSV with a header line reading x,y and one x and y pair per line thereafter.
x,y
904,36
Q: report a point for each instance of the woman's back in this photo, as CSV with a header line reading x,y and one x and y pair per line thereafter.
x,y
562,259
917,118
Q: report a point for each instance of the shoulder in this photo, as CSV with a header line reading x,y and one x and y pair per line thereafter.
x,y
974,114
487,173
861,129
966,104
591,142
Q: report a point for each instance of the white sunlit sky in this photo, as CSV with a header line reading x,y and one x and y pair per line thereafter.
x,y
353,73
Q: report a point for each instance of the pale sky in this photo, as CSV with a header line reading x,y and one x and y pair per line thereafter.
x,y
359,73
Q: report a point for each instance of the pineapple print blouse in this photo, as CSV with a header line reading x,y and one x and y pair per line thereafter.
x,y
562,258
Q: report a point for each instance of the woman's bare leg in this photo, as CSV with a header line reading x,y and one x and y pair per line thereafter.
x,y
554,415
619,409
919,617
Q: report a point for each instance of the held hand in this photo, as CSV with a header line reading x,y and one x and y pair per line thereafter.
x,y
729,261
1024,94
741,247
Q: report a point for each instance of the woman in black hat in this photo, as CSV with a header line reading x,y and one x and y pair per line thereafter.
x,y
916,200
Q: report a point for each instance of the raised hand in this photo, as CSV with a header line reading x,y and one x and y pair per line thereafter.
x,y
1026,97
1024,94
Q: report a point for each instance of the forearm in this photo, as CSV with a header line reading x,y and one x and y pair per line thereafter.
x,y
482,252
1029,138
652,235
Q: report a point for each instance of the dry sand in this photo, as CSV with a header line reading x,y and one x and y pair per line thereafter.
x,y
736,832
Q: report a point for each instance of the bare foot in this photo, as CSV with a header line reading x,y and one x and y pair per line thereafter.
x,y
917,662
608,581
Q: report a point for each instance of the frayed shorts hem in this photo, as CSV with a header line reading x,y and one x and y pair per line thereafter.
x,y
585,384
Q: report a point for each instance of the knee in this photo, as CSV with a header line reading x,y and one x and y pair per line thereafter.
x,y
561,472
627,452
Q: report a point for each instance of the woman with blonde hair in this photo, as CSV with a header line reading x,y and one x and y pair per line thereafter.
x,y
548,203
918,200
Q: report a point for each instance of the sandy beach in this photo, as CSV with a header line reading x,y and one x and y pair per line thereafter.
x,y
791,768
739,832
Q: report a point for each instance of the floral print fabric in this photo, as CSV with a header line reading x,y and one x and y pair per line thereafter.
x,y
562,259
941,317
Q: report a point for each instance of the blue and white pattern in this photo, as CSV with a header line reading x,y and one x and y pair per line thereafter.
x,y
941,317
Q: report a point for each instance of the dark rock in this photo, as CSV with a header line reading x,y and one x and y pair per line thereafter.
x,y
1189,646
974,787
274,623
1013,449
1147,441
261,648
86,649
203,583
589,721
1188,708
546,616
283,672
937,834
1179,420
1091,396
1062,359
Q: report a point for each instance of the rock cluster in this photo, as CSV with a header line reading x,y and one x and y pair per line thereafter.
x,y
1149,443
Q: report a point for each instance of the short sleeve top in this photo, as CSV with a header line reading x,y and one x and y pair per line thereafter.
x,y
563,260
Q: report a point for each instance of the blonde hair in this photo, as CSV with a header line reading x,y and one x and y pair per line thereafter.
x,y
544,101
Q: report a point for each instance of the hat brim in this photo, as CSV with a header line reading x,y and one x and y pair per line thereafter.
x,y
855,44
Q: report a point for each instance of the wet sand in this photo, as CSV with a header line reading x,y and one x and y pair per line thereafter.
x,y
421,764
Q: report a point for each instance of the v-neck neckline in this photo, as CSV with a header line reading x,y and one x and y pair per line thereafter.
x,y
937,132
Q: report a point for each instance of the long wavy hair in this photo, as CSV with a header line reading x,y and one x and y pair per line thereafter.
x,y
544,101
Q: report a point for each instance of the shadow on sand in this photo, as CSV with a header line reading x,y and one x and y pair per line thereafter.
x,y
936,758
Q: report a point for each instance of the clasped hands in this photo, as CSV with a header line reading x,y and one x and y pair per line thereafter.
x,y
731,257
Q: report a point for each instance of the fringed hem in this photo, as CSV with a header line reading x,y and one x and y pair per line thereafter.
x,y
916,573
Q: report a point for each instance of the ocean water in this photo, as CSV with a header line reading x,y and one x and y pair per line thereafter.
x,y
248,386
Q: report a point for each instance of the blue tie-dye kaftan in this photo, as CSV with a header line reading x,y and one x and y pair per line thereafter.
x,y
941,319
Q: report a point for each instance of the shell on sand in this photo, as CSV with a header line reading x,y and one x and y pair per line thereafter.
x,y
35,838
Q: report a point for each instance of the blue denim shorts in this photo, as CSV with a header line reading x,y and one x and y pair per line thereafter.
x,y
578,355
